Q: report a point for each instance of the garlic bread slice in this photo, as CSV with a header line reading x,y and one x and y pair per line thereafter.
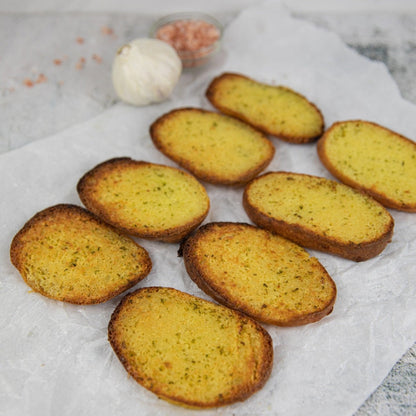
x,y
373,158
66,253
319,213
189,351
215,148
276,110
266,276
145,199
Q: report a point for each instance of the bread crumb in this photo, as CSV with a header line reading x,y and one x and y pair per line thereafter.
x,y
57,62
80,40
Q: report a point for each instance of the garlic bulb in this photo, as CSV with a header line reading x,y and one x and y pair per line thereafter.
x,y
145,71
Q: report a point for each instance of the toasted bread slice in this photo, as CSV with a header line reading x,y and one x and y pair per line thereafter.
x,y
66,253
373,158
266,276
275,110
214,147
319,213
144,199
189,351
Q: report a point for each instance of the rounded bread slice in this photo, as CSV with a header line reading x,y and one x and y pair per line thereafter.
x,y
275,110
215,148
319,213
261,274
145,199
66,253
373,158
189,351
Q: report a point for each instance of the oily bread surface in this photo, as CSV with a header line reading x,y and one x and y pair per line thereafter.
x,y
145,199
189,351
275,110
319,213
263,275
214,147
66,253
374,159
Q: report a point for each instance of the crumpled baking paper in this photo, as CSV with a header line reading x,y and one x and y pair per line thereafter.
x,y
55,357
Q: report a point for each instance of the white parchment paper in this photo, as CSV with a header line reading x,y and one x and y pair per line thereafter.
x,y
55,357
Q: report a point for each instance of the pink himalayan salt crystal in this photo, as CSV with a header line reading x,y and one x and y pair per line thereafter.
x,y
188,37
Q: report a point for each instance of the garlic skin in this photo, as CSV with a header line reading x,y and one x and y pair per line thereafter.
x,y
145,71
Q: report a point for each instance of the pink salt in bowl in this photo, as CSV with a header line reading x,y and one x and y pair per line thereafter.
x,y
196,37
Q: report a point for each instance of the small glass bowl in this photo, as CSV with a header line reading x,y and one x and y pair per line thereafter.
x,y
185,32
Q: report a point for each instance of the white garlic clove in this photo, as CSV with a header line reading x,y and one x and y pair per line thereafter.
x,y
145,71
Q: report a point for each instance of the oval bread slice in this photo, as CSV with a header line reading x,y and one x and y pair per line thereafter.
x,y
144,199
266,276
187,350
319,213
275,110
66,253
373,158
214,147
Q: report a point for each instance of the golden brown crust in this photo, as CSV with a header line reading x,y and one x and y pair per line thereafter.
x,y
315,238
287,307
63,217
215,174
291,138
134,223
337,171
259,360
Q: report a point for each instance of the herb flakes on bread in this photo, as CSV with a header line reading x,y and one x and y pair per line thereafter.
x,y
189,351
261,274
66,253
145,199
319,213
